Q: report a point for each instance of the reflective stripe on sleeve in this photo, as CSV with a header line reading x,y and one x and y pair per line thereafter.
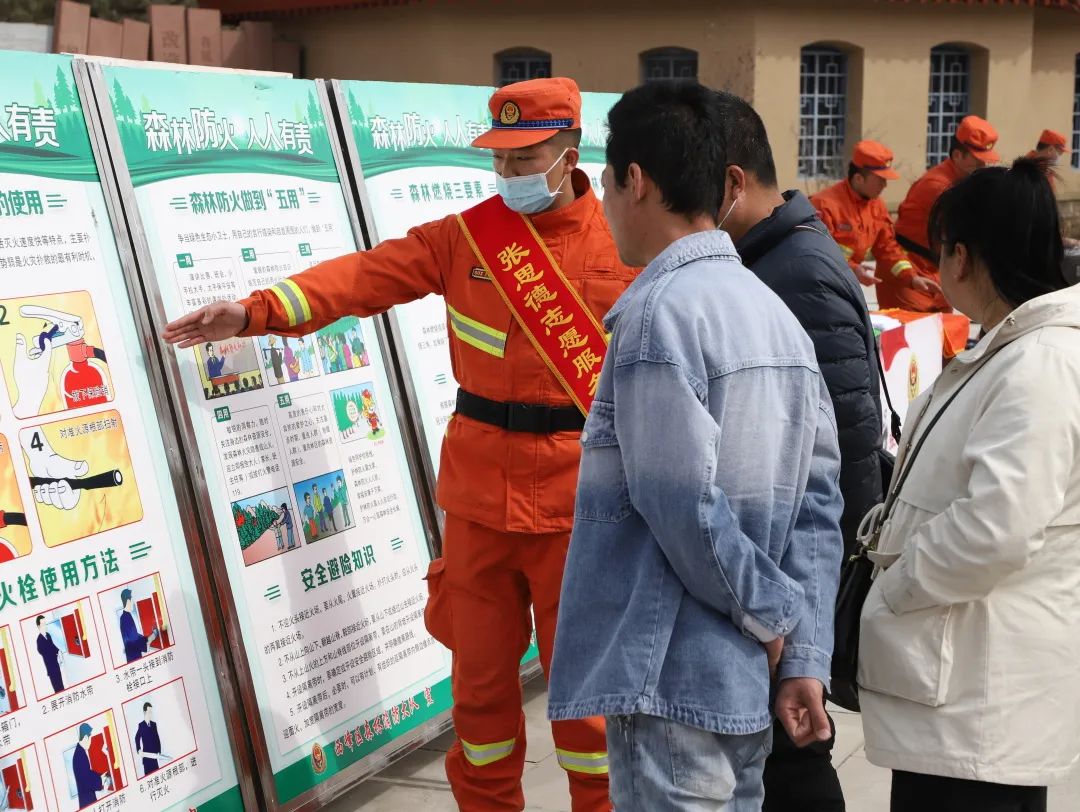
x,y
848,252
590,763
480,754
484,338
900,267
294,301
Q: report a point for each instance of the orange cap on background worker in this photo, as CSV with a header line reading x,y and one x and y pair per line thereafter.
x,y
875,157
528,113
979,137
1052,138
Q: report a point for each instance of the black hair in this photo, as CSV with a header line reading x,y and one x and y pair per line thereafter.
x,y
145,706
852,171
1041,146
1008,219
672,131
39,619
747,142
571,139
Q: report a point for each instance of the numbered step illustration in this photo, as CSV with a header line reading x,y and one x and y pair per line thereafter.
x,y
20,780
14,533
85,762
64,648
342,347
356,413
159,729
136,619
326,507
52,354
265,526
227,367
288,360
11,694
81,475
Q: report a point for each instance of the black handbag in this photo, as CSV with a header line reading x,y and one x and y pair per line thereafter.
x,y
857,573
856,576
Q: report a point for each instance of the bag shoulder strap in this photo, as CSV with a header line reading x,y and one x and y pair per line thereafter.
x,y
909,461
895,426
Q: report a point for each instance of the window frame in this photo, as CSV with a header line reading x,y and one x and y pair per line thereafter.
x,y
813,162
669,57
939,139
529,58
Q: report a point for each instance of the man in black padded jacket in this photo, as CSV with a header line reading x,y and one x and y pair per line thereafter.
x,y
780,238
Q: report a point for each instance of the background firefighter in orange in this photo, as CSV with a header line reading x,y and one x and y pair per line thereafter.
x,y
858,220
509,461
972,148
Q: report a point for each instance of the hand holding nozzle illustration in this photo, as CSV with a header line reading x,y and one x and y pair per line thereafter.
x,y
82,383
58,481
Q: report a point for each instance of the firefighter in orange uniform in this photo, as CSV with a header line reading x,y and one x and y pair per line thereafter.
x,y
1052,145
526,276
972,148
856,217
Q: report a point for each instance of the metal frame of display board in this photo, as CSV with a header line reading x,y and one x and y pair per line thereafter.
x,y
363,223
137,262
359,205
179,472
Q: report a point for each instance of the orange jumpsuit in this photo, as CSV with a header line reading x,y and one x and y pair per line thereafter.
x,y
860,225
509,496
912,223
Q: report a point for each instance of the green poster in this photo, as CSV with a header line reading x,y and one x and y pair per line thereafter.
x,y
412,143
103,647
307,478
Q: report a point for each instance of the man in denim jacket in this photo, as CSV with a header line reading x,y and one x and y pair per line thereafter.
x,y
706,543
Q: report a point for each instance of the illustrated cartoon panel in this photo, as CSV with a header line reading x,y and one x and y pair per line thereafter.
x,y
136,619
14,533
52,354
86,762
81,476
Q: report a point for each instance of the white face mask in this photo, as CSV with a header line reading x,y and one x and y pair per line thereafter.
x,y
731,208
529,194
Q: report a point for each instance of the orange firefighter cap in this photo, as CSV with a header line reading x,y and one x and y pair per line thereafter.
x,y
979,137
527,113
1054,139
872,156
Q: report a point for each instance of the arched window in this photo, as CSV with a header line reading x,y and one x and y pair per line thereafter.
x,y
823,82
1076,117
520,64
665,64
950,98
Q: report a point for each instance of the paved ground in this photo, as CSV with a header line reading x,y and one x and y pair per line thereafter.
x,y
417,782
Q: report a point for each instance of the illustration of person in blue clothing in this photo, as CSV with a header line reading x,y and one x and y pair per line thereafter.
x,y
148,741
50,656
136,644
215,364
88,783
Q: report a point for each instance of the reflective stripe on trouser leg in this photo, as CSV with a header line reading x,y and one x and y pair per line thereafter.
x,y
588,763
480,754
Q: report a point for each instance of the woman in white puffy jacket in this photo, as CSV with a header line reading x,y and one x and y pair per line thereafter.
x,y
969,659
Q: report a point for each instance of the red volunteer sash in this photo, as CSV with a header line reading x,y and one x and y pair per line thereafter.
x,y
547,307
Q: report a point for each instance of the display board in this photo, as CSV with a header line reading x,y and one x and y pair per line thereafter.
x,y
409,145
108,696
231,182
911,358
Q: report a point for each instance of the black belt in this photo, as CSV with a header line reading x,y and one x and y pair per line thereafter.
x,y
527,417
915,248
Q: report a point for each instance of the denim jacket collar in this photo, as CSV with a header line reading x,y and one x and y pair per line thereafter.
x,y
701,245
